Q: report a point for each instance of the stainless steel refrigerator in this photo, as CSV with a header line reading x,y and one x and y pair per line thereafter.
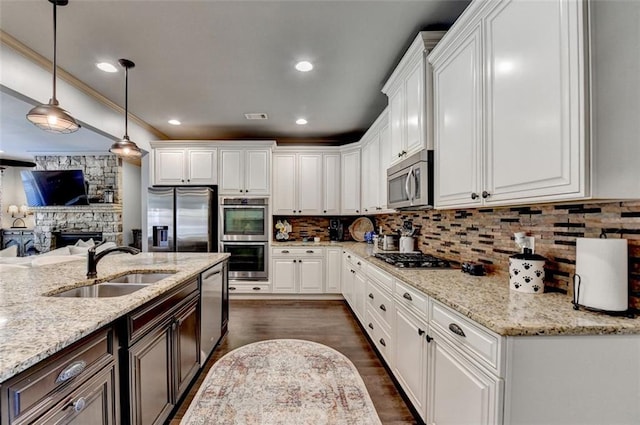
x,y
182,219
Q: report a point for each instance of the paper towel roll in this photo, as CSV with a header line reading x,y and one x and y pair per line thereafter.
x,y
602,267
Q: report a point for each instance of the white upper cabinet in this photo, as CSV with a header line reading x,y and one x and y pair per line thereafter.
x,y
410,99
245,171
350,188
375,161
331,184
185,166
518,120
310,183
285,183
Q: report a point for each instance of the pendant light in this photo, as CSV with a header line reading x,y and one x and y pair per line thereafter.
x,y
51,117
126,147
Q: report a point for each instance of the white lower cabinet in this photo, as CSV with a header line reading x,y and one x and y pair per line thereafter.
x,y
354,284
298,271
333,272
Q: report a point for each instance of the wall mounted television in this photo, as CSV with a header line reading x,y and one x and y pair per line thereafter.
x,y
54,187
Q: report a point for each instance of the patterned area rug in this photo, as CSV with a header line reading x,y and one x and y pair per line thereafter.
x,y
282,381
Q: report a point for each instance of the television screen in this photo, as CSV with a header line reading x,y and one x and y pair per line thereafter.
x,y
55,187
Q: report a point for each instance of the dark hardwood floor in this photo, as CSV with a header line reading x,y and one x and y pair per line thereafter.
x,y
326,322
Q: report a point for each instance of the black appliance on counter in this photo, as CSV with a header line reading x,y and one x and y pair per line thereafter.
x,y
336,230
412,260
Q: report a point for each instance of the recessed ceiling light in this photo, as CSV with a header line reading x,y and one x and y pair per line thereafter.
x,y
174,122
106,67
304,66
301,121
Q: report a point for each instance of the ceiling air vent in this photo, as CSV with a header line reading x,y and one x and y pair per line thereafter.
x,y
257,116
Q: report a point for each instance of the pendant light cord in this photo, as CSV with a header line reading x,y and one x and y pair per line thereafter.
x,y
55,31
126,103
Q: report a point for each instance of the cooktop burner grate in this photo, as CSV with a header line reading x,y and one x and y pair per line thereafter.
x,y
412,260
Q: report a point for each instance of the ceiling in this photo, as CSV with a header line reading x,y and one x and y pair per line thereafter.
x,y
208,62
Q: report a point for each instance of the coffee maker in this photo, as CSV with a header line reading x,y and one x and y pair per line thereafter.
x,y
336,230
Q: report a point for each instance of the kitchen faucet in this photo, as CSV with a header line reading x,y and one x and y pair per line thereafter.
x,y
93,258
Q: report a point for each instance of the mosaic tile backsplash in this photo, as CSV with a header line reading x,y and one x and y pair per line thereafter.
x,y
486,235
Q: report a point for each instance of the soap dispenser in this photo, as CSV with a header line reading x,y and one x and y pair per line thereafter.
x,y
526,270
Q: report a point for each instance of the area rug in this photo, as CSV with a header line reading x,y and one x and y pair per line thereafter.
x,y
284,382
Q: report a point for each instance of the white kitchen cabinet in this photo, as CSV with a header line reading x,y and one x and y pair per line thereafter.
x,y
375,153
185,166
354,284
333,273
410,99
410,357
309,183
509,130
350,182
385,162
331,184
347,278
245,171
297,270
459,391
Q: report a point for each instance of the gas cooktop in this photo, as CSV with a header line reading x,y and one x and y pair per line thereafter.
x,y
412,260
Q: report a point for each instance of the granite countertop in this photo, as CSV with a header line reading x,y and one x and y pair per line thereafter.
x,y
488,300
33,326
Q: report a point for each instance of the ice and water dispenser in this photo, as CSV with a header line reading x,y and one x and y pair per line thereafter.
x,y
160,236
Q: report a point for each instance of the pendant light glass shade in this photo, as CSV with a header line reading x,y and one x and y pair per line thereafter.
x,y
125,147
51,117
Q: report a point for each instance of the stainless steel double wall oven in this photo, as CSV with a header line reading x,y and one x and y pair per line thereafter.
x,y
244,233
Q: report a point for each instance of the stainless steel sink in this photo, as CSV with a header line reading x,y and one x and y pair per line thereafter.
x,y
116,287
140,278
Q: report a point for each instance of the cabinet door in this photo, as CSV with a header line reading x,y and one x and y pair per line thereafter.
x,y
411,357
93,403
350,194
284,275
367,185
374,175
331,184
347,282
309,185
311,275
150,378
257,172
333,275
385,161
169,166
202,166
231,171
457,107
414,104
396,122
359,289
459,391
284,184
534,100
187,352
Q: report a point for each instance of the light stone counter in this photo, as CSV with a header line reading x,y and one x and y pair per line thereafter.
x,y
488,300
33,326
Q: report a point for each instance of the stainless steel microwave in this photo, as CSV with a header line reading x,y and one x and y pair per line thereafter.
x,y
410,182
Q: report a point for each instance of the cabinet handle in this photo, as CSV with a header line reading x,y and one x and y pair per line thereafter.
x,y
366,210
353,271
182,180
310,251
348,256
211,274
370,295
246,191
382,307
384,344
295,261
256,288
71,371
357,211
284,251
370,325
174,325
429,338
299,261
407,296
240,190
420,332
359,263
232,288
325,211
79,404
456,329
474,196
485,194
188,180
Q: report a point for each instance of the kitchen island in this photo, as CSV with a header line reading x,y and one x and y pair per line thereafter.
x,y
35,325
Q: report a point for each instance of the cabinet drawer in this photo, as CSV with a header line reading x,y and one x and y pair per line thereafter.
x,y
411,298
34,391
379,303
380,337
478,342
249,288
381,277
147,316
297,252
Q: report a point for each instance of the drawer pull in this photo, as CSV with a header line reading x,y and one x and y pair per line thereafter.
x,y
359,263
73,370
370,325
256,288
456,329
79,404
310,251
407,296
370,295
420,332
382,307
232,288
284,251
384,344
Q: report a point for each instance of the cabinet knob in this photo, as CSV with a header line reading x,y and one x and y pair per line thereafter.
x,y
429,338
370,295
79,404
299,261
188,180
384,344
366,210
485,194
359,263
370,325
382,307
357,211
246,191
182,180
474,196
295,261
420,332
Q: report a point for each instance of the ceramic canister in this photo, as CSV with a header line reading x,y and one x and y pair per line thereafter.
x,y
526,272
